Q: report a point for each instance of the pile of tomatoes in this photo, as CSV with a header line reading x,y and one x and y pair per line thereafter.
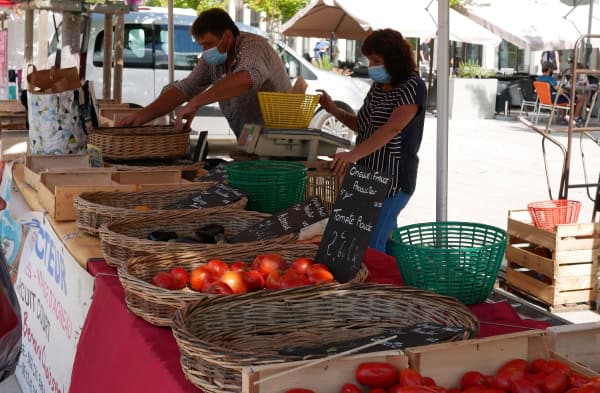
x,y
515,376
270,271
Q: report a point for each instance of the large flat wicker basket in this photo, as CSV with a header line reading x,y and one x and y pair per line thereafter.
x,y
140,142
95,209
219,336
126,239
158,305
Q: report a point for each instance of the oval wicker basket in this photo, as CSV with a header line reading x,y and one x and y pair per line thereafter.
x,y
158,305
98,208
140,142
219,336
125,239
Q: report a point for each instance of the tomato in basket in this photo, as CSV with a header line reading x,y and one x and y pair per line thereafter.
x,y
181,276
377,374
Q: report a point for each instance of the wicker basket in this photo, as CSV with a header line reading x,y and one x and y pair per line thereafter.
x,y
140,142
98,208
287,110
157,305
219,336
125,239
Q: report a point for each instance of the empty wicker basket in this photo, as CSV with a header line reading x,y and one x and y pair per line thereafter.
x,y
158,305
95,209
219,336
125,239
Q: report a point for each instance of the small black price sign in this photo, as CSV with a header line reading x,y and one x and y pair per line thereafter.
x,y
352,221
288,221
217,195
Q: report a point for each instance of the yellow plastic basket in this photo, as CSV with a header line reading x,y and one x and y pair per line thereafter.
x,y
286,109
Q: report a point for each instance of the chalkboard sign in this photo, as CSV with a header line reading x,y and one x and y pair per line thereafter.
x,y
217,195
217,174
352,221
410,336
288,221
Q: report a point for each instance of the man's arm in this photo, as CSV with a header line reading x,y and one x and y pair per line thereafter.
x,y
164,103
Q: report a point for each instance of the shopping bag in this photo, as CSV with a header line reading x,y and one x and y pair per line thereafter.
x,y
10,322
55,112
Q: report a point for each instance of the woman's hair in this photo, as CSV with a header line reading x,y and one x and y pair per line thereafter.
x,y
214,21
396,52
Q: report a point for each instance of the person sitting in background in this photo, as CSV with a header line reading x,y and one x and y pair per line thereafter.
x,y
389,124
563,95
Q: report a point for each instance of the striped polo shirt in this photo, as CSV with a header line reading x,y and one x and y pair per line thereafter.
x,y
398,158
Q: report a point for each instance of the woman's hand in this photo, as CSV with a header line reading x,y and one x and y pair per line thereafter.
x,y
326,102
341,161
185,116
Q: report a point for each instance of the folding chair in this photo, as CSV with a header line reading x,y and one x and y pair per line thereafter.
x,y
527,93
545,102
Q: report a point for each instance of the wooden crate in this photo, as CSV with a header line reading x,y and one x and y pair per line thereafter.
x,y
327,376
321,182
147,180
579,343
447,362
57,189
567,278
114,112
35,165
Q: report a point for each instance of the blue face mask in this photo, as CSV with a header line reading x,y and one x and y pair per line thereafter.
x,y
379,74
213,56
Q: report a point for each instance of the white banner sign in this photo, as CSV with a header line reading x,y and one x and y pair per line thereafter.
x,y
55,294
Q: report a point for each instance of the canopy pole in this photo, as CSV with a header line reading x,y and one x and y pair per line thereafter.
x,y
441,212
171,39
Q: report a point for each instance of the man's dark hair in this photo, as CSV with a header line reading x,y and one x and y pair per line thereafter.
x,y
396,53
215,21
547,66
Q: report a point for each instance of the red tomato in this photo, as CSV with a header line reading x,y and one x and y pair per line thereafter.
x,y
266,263
377,374
515,364
538,365
217,288
292,279
506,376
302,264
274,279
165,280
200,277
378,390
319,274
590,387
471,378
410,377
235,281
411,389
350,388
523,385
553,365
573,390
475,389
181,276
537,378
555,382
254,280
493,390
238,266
428,381
454,390
576,380
299,390
217,266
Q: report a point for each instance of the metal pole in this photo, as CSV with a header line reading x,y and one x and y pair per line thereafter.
x,y
171,39
441,212
107,60
119,48
28,51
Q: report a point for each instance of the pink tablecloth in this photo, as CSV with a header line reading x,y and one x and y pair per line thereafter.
x,y
120,352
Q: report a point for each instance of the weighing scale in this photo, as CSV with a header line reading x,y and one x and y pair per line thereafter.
x,y
303,143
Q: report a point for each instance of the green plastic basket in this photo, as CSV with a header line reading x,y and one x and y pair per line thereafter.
x,y
271,186
458,259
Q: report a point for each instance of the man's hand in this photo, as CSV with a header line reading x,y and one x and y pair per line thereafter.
x,y
185,116
133,120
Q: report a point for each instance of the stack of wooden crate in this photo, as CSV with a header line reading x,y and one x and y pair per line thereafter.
x,y
557,268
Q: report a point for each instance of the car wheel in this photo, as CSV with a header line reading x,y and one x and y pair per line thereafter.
x,y
326,122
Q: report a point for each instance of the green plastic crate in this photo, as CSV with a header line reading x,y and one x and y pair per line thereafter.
x,y
271,186
458,259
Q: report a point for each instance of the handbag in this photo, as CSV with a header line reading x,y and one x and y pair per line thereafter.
x,y
55,111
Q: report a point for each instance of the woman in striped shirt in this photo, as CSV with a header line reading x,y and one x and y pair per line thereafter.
x,y
389,124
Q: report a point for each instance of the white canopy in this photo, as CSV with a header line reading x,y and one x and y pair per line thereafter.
x,y
354,19
534,24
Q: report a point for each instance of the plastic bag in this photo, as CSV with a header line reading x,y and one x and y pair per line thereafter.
x,y
10,322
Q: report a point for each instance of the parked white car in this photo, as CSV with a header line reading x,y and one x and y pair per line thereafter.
x,y
145,71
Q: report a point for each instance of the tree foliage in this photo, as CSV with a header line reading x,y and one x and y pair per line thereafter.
x,y
280,10
198,5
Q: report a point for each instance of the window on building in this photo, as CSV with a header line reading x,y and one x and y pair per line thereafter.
x,y
509,56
